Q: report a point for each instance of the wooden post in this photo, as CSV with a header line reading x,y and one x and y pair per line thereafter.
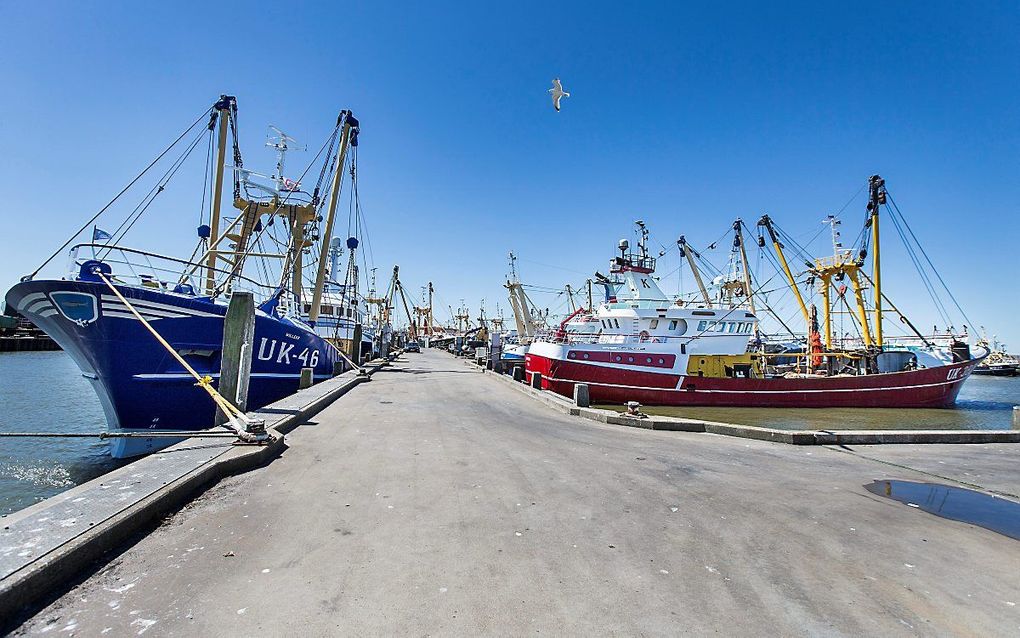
x,y
235,357
355,346
338,368
306,378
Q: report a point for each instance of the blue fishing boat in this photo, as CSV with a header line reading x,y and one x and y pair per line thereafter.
x,y
101,311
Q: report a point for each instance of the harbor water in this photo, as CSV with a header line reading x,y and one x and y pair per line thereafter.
x,y
985,403
45,392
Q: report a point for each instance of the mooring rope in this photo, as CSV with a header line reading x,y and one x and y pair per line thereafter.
x,y
239,422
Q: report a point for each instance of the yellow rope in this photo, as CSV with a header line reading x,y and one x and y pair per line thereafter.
x,y
204,382
342,354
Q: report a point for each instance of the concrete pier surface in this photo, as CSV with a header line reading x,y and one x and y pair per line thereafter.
x,y
436,500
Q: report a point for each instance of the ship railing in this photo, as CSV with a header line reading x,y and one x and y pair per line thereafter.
x,y
634,260
939,339
146,269
573,338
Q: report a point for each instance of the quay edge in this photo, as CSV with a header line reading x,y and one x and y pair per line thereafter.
x,y
791,437
169,480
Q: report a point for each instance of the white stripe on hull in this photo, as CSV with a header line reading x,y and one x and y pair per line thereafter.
x,y
111,307
29,299
153,305
126,314
38,305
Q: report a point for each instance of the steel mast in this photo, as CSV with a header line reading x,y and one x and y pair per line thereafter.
x,y
689,253
877,197
223,108
348,137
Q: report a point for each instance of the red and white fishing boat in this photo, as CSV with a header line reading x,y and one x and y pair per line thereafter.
x,y
657,351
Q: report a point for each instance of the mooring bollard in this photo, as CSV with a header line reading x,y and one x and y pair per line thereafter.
x,y
235,358
536,380
581,398
306,378
518,373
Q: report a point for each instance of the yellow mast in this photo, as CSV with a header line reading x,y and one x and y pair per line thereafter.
x,y
223,109
827,308
862,313
297,233
348,122
877,192
766,221
687,252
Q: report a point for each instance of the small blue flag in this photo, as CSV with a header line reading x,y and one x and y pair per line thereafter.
x,y
99,234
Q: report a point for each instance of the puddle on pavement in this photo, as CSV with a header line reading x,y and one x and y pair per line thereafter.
x,y
997,514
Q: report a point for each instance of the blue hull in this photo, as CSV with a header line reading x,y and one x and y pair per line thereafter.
x,y
140,385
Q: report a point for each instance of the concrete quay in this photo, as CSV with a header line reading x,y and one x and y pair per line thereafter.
x,y
44,545
437,500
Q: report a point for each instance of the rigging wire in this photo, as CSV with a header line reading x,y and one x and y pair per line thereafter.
x,y
928,259
285,272
925,279
129,222
117,196
206,189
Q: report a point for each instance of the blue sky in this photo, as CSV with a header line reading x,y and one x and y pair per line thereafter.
x,y
686,115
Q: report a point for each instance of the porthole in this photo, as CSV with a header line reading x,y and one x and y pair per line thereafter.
x,y
619,358
661,361
585,355
648,360
630,359
572,356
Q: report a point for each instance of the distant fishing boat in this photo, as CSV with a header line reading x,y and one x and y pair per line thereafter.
x,y
91,311
659,351
998,363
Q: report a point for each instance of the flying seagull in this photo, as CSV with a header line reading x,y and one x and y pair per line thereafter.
x,y
557,93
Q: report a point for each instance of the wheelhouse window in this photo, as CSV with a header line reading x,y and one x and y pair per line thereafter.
x,y
654,324
326,309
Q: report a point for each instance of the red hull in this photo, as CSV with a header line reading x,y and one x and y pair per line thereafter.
x,y
926,388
